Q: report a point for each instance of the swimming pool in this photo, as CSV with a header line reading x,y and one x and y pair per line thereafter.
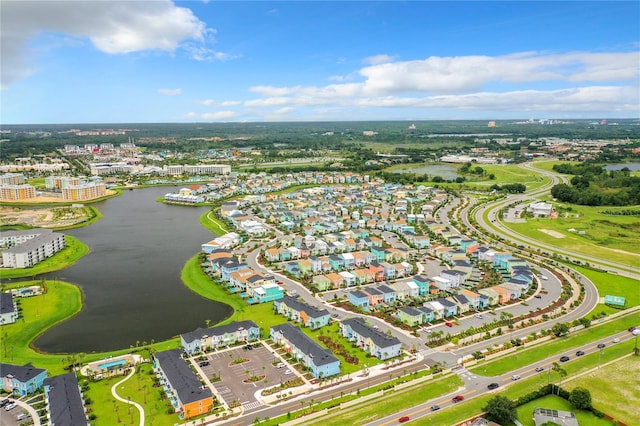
x,y
112,364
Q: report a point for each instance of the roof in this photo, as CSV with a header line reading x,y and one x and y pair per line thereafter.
x,y
305,345
218,331
298,306
385,290
21,373
34,243
359,294
410,311
564,418
65,401
6,303
380,339
182,379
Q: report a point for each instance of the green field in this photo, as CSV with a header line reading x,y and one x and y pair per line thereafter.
x,y
560,346
60,302
587,230
614,285
74,250
212,223
525,412
615,389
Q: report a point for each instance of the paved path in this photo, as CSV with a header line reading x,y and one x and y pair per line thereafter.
x,y
114,392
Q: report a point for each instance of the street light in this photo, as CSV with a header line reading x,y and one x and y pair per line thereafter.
x,y
636,333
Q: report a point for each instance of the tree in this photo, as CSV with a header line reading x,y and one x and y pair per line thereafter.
x,y
580,398
500,409
560,329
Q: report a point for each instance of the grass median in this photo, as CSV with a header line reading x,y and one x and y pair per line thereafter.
x,y
556,346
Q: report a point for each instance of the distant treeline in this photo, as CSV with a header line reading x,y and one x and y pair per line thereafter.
x,y
592,185
625,212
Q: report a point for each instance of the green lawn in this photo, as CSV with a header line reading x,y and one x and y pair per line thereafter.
x,y
140,389
62,301
559,346
213,224
614,389
509,173
74,250
606,236
106,408
614,285
525,412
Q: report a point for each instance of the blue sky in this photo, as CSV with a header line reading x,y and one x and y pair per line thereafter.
x,y
162,61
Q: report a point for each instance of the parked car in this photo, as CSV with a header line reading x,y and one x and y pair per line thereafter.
x,y
204,363
5,402
448,324
515,377
280,365
564,358
601,345
435,407
11,406
493,386
478,316
539,369
537,296
403,419
22,416
287,372
457,398
579,353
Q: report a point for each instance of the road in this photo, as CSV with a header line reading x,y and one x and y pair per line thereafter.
x,y
476,385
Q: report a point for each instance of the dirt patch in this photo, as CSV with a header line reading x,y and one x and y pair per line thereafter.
x,y
52,217
554,234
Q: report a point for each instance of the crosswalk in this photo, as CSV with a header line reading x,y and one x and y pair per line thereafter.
x,y
251,405
464,373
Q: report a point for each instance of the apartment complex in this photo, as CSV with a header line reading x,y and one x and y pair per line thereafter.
x,y
26,248
12,179
57,183
17,192
64,401
84,191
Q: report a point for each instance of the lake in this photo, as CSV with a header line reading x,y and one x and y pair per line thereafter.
x,y
444,171
631,166
131,277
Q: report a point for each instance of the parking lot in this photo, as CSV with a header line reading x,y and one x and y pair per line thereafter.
x,y
232,388
10,417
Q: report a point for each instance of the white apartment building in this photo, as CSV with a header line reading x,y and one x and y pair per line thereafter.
x,y
29,247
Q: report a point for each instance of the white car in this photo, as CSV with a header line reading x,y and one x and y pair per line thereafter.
x,y
478,316
515,377
11,406
287,372
616,340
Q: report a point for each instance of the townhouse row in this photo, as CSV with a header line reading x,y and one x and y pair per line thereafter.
x,y
63,396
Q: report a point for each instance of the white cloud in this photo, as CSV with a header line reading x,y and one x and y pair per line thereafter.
x,y
170,92
378,59
219,116
462,83
211,102
112,27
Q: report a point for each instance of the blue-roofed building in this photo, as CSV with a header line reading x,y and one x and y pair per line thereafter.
x,y
21,380
359,299
370,340
319,360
